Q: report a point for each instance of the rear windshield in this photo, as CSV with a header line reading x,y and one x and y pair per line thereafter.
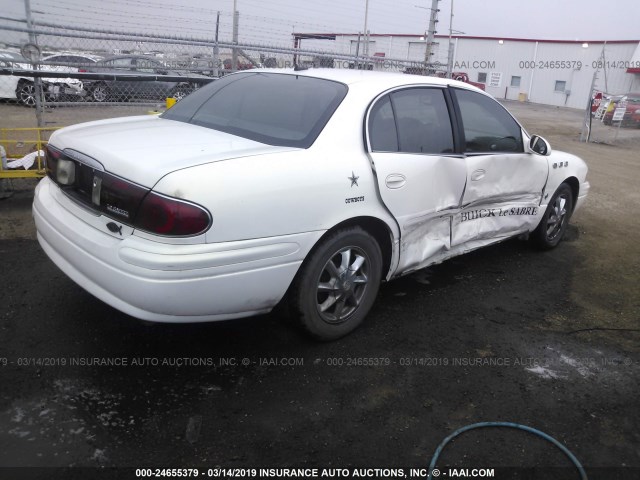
x,y
271,108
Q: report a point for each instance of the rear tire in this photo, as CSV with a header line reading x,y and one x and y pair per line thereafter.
x,y
100,93
554,223
337,284
26,93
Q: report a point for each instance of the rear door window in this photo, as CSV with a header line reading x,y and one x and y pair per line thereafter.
x,y
382,127
413,120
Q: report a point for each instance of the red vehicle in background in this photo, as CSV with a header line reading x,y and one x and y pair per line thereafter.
x,y
463,77
460,76
228,64
631,115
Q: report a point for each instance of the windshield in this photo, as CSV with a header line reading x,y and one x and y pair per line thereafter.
x,y
272,108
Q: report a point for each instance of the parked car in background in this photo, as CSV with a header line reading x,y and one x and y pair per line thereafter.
x,y
261,187
69,62
22,88
228,65
631,101
204,66
460,76
632,113
155,88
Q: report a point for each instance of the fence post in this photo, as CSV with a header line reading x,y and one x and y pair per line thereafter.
x,y
585,133
216,49
4,193
234,53
37,81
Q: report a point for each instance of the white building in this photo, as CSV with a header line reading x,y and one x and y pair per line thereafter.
x,y
552,72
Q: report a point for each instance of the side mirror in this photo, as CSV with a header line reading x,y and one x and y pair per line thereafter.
x,y
539,145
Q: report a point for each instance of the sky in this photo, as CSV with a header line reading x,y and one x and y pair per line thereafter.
x,y
273,21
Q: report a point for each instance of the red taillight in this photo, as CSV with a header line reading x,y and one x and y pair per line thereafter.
x,y
122,200
172,217
51,156
54,152
82,70
117,197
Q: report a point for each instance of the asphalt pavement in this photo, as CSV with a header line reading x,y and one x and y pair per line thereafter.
x,y
506,333
84,385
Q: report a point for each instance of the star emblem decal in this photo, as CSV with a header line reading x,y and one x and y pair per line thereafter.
x,y
354,179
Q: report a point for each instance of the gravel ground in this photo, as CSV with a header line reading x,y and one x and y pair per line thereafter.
x,y
549,340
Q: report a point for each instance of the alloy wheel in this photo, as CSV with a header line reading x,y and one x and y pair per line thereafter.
x,y
342,284
99,93
557,217
27,94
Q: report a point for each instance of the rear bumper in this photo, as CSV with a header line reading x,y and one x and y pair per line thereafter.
x,y
165,282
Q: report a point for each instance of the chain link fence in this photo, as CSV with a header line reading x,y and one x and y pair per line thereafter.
x,y
615,119
67,65
63,72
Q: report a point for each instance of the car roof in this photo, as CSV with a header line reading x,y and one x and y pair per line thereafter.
x,y
146,57
382,79
6,54
73,54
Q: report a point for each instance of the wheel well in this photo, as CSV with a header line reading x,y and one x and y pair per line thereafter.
x,y
575,188
375,227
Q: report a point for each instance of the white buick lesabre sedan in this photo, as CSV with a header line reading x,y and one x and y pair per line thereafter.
x,y
311,186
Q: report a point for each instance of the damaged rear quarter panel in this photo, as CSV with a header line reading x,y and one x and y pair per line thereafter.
x,y
281,194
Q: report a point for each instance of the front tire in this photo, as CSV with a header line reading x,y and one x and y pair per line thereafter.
x,y
554,223
337,284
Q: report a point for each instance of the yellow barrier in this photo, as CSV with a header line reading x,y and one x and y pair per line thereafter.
x,y
19,142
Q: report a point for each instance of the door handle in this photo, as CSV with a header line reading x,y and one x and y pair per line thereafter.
x,y
395,180
477,175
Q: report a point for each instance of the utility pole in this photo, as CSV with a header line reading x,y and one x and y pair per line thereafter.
x,y
216,49
234,53
365,50
604,69
433,19
450,51
37,81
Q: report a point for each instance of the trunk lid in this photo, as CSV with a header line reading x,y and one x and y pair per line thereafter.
x,y
111,167
146,148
